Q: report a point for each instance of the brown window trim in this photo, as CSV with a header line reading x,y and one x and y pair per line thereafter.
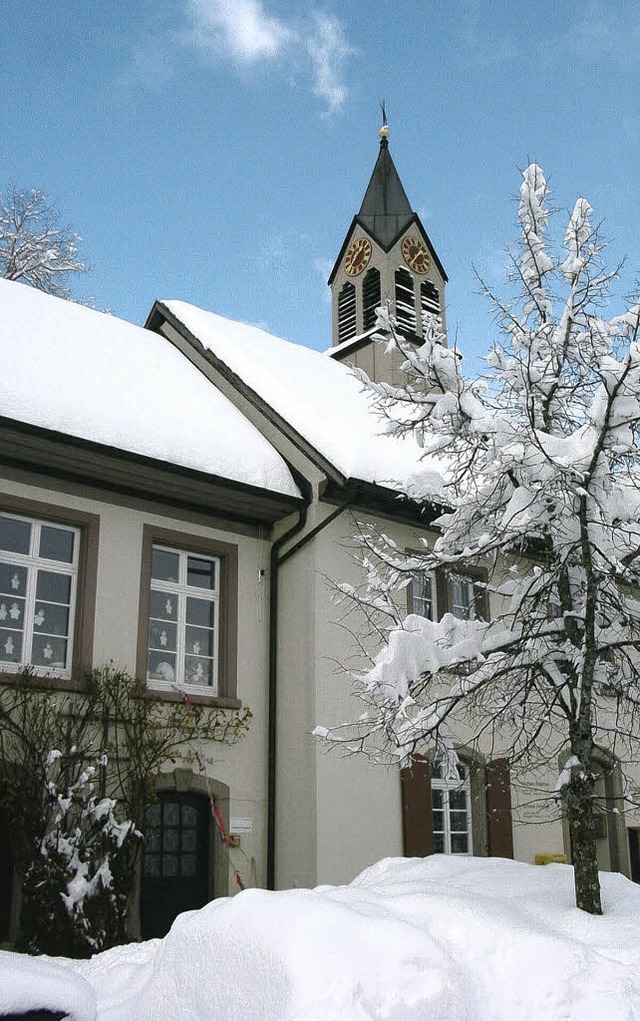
x,y
227,553
85,609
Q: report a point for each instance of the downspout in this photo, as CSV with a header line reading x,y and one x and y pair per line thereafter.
x,y
275,563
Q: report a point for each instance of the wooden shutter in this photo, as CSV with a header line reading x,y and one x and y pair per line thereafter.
x,y
499,809
417,821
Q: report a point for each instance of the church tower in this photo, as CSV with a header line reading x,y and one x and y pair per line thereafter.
x,y
386,258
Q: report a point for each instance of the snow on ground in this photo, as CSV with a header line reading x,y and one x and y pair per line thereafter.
x,y
97,377
436,939
321,398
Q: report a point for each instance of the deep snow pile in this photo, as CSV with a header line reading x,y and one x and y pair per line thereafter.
x,y
443,939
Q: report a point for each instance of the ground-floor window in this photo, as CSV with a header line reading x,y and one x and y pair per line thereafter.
x,y
451,808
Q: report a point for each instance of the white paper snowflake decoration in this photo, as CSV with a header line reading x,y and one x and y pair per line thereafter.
x,y
15,583
196,647
163,638
168,607
47,652
14,612
8,645
3,611
39,617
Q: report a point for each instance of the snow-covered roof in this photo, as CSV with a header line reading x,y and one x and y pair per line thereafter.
x,y
96,377
320,398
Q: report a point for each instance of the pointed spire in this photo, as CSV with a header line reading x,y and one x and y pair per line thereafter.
x,y
385,209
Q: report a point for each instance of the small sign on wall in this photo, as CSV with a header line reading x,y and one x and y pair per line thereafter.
x,y
240,824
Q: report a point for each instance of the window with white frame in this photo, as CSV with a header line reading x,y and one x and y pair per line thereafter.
x,y
462,596
38,583
423,594
451,808
184,619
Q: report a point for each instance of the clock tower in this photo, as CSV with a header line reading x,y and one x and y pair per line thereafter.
x,y
386,258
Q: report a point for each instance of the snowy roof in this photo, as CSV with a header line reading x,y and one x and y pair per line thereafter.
x,y
323,400
93,376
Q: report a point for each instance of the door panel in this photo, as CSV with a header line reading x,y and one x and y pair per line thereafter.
x,y
176,866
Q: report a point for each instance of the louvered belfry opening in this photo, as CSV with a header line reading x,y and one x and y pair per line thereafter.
x,y
405,301
429,298
346,312
371,297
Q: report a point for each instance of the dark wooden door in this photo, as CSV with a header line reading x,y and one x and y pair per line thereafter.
x,y
176,865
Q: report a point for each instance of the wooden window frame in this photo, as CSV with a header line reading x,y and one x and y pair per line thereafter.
x,y
441,591
84,611
227,555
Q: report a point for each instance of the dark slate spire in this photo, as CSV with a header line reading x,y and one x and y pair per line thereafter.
x,y
385,209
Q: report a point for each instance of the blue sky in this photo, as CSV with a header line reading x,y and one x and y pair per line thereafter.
x,y
216,150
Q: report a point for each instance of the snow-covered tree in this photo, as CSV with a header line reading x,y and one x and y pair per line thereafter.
x,y
540,496
35,247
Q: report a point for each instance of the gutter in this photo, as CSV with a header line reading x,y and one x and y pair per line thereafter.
x,y
275,563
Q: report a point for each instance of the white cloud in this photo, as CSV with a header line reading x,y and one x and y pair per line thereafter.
x,y
328,49
238,29
243,33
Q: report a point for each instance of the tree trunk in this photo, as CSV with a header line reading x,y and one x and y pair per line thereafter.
x,y
578,796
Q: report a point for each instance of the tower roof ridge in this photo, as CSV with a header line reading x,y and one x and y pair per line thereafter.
x,y
385,209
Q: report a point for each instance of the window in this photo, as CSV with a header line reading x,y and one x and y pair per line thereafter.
x,y
347,327
429,298
371,298
188,614
451,811
39,563
405,300
432,595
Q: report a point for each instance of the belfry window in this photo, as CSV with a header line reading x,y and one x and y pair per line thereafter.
x,y
405,300
346,312
371,297
429,298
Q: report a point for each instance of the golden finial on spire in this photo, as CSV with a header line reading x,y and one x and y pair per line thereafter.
x,y
384,130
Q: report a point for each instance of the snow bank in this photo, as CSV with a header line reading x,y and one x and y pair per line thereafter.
x,y
322,399
439,939
33,983
96,377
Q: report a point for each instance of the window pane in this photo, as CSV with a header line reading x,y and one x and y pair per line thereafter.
x,y
162,666
152,865
188,864
153,815
49,652
162,605
50,619
199,641
13,579
54,588
201,611
171,814
165,565
422,589
162,635
201,573
436,798
198,670
438,843
56,544
459,822
10,646
153,840
169,864
189,816
438,820
170,839
15,535
459,843
458,799
461,597
189,840
12,614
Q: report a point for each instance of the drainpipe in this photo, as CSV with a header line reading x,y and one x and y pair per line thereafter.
x,y
275,562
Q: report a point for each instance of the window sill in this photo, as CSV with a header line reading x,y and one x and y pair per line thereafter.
x,y
197,695
44,682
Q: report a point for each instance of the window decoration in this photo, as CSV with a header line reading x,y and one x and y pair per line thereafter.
x,y
423,595
451,810
38,581
184,611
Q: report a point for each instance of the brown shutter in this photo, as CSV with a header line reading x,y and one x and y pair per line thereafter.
x,y
499,809
417,821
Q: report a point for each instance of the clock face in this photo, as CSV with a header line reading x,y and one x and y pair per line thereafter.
x,y
357,257
416,255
